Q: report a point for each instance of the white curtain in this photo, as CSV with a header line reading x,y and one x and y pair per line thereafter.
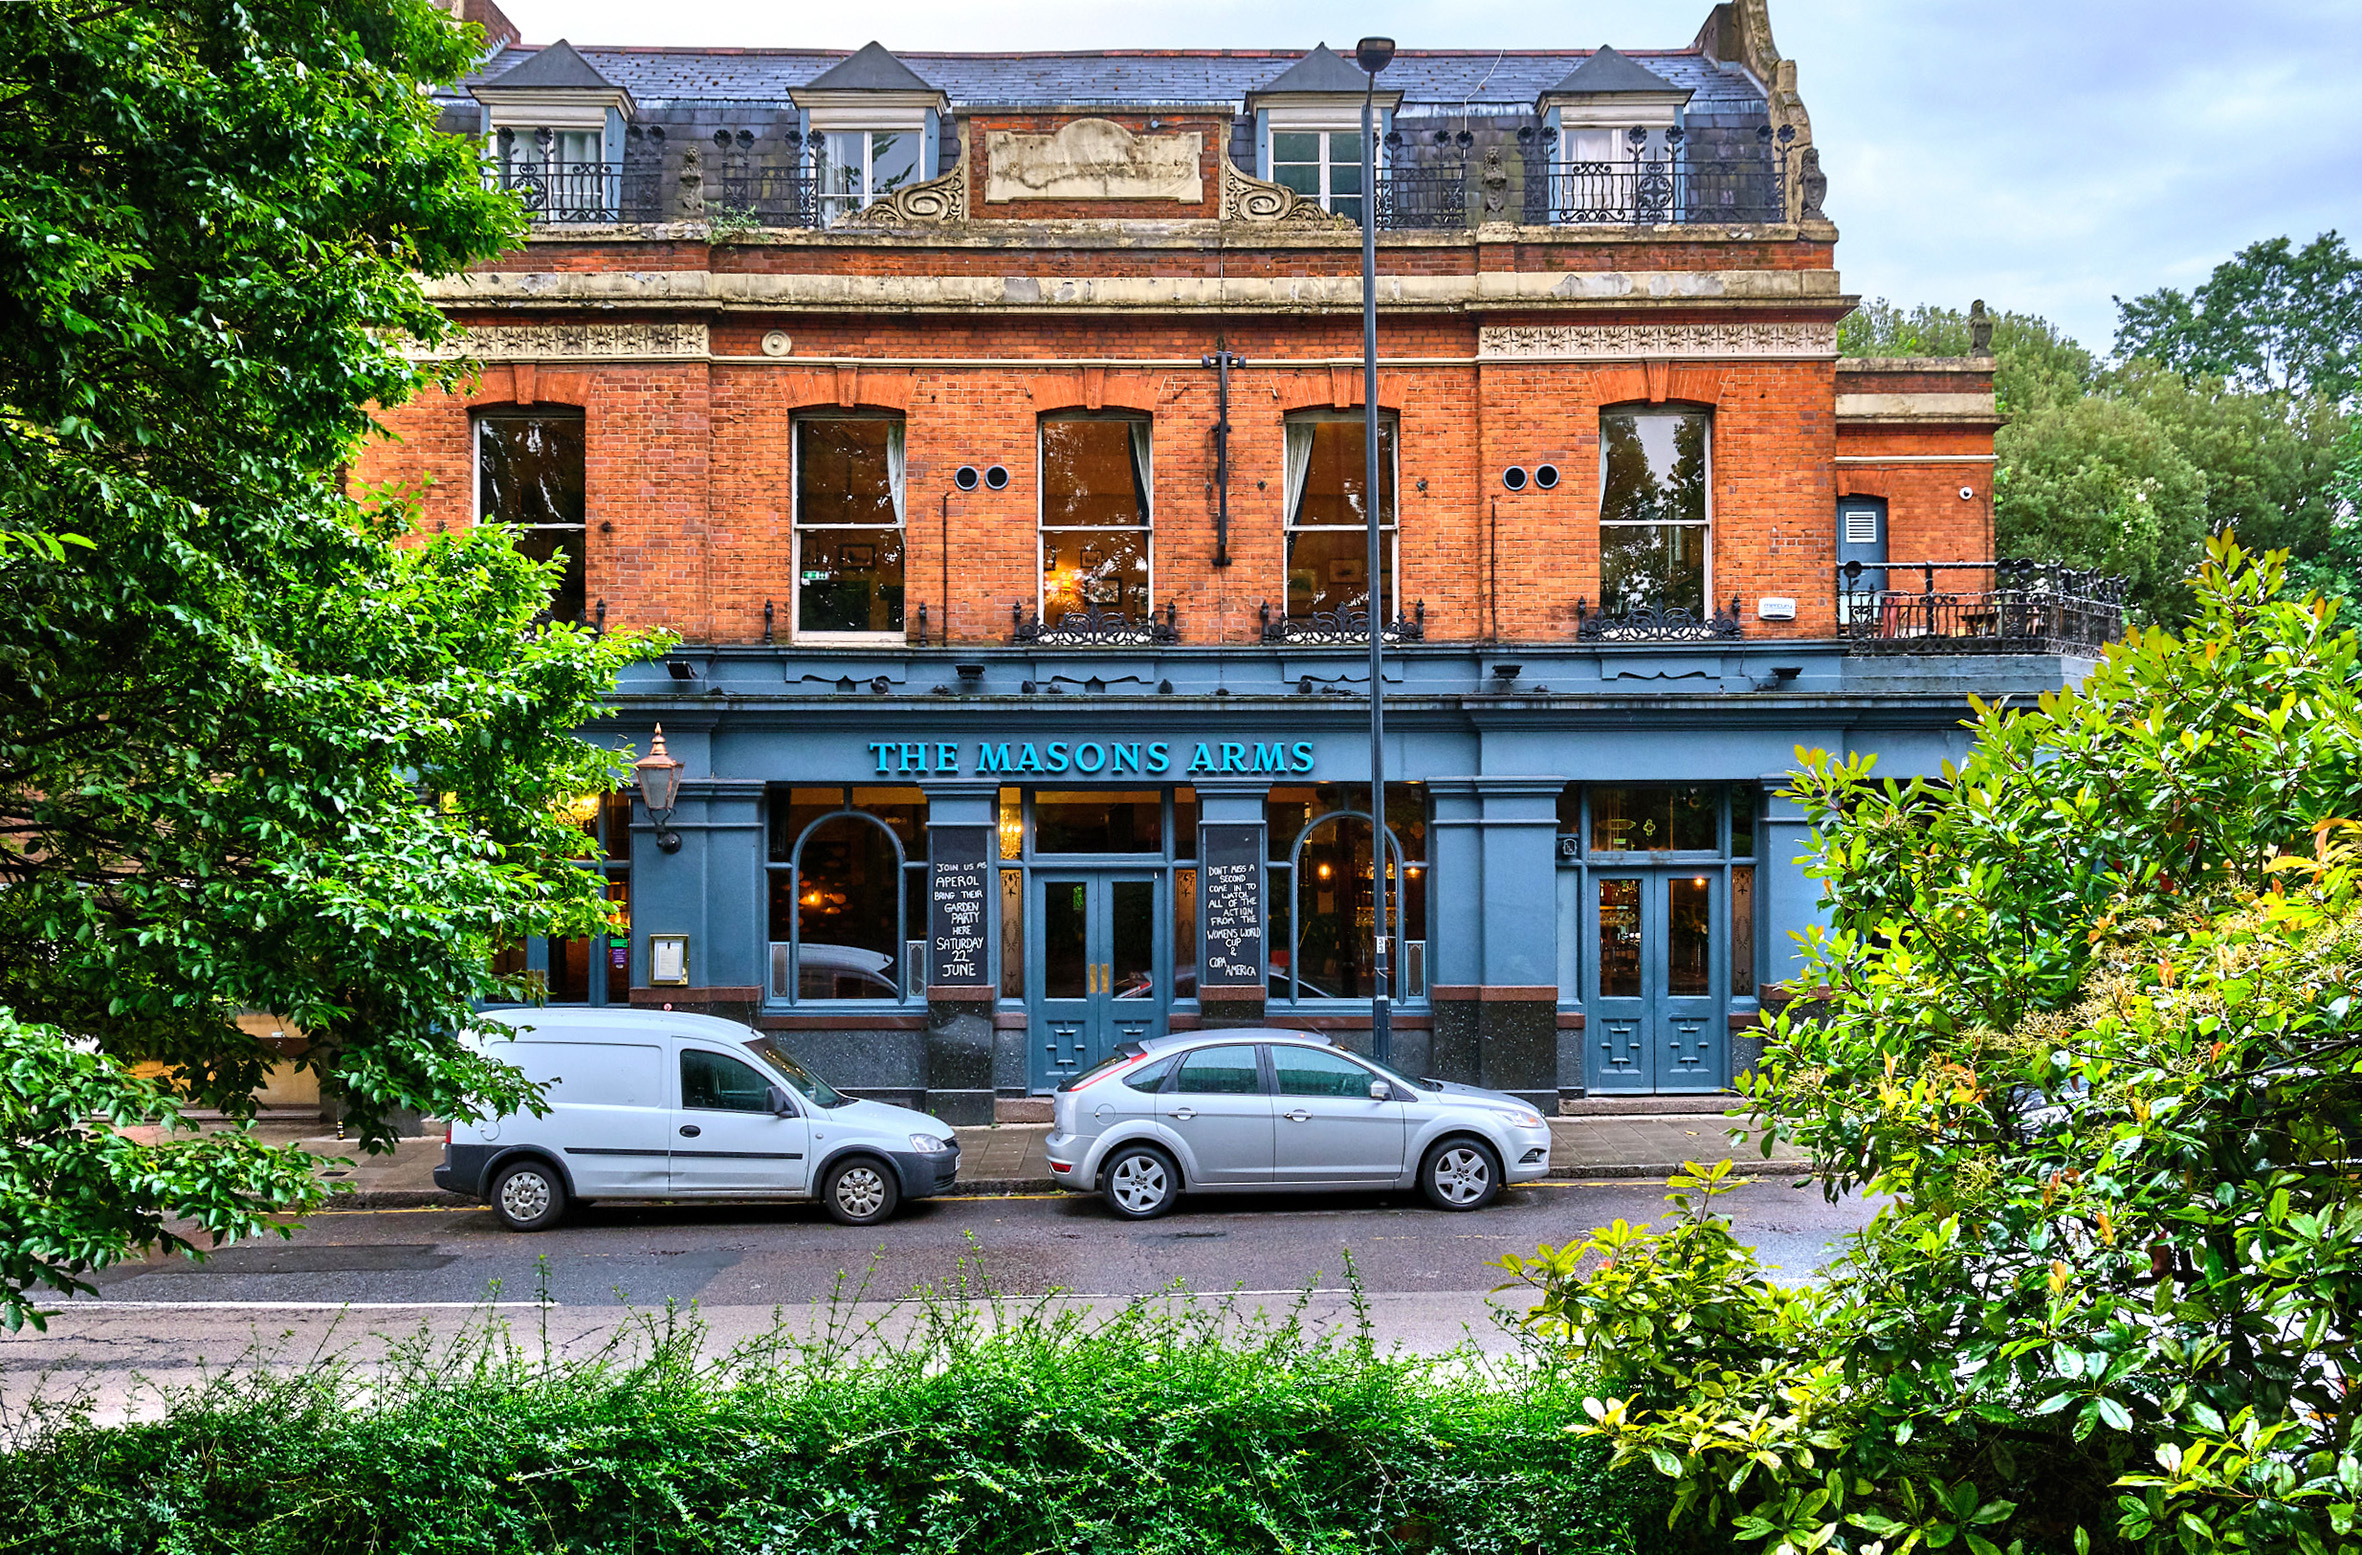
x,y
1299,465
894,467
1140,472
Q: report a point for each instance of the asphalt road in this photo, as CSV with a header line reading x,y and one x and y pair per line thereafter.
x,y
354,1280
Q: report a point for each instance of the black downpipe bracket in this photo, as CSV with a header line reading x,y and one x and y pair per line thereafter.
x,y
1222,361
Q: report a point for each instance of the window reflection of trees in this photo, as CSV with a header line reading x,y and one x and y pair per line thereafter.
x,y
1653,515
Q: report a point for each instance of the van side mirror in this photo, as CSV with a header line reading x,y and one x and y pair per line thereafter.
x,y
1381,1091
780,1106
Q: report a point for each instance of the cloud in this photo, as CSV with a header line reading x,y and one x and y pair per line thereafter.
x,y
2042,154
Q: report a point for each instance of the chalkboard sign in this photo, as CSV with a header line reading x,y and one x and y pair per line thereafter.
x,y
959,906
1232,872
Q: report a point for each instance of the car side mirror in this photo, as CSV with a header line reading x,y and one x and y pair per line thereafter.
x,y
1381,1091
781,1107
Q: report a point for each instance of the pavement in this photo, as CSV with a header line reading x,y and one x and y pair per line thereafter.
x,y
1001,1158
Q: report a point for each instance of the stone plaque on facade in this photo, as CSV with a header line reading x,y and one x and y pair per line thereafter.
x,y
1094,159
959,906
1636,342
1233,889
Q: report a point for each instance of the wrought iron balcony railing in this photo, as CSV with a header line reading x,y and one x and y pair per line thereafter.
x,y
1330,628
1980,607
1657,624
1094,628
581,191
1669,182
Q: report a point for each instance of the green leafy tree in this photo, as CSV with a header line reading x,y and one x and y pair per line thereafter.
x,y
2037,365
257,750
2273,318
2098,482
2267,458
2084,1018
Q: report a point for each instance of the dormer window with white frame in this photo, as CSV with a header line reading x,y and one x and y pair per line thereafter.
x,y
1309,134
872,125
1611,115
553,130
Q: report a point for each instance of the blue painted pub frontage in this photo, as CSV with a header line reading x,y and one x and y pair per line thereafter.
x,y
958,876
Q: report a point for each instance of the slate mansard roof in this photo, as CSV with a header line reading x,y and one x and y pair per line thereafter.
x,y
1432,83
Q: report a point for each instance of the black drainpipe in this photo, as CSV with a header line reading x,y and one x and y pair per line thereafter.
x,y
1222,361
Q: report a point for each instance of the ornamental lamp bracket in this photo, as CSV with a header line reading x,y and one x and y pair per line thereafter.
x,y
659,775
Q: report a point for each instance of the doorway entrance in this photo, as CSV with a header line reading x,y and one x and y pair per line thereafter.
x,y
1100,964
1654,1021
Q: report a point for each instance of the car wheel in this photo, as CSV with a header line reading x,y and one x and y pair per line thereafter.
x,y
860,1191
529,1196
1142,1182
1460,1174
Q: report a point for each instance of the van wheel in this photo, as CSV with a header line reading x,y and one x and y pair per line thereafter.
x,y
1141,1182
1460,1174
859,1191
528,1196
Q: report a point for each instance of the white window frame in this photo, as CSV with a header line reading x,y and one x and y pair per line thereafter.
x,y
1390,526
1328,163
892,113
796,527
1707,526
1041,497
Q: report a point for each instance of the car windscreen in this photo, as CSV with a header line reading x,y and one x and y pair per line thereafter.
x,y
820,1091
1397,1076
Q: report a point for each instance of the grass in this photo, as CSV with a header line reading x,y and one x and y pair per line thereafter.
x,y
971,1424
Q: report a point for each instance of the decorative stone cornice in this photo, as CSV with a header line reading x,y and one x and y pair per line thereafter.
x,y
1248,199
1648,342
573,342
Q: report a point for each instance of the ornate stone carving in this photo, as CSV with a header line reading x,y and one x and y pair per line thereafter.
x,y
1495,178
1249,199
1632,342
1093,159
1980,329
692,184
939,202
561,342
1812,184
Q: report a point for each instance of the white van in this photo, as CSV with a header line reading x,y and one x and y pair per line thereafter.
x,y
647,1104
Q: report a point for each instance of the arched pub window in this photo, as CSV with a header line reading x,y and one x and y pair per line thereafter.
x,y
1321,895
847,877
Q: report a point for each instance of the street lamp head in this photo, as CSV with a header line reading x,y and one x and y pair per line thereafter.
x,y
659,776
1374,54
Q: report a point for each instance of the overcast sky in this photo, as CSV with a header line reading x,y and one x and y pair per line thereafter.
x,y
2041,154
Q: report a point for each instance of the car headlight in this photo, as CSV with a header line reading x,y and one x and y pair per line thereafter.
x,y
927,1144
1526,1119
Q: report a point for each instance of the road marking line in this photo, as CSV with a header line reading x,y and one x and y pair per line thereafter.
x,y
294,1306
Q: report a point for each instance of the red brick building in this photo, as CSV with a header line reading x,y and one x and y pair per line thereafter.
x,y
968,413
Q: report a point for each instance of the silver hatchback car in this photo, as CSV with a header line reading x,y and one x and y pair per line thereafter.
x,y
1251,1111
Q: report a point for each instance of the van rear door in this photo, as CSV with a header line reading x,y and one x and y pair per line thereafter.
x,y
607,1117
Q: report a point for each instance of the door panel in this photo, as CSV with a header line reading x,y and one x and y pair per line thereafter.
x,y
1325,1126
1617,1049
1689,1058
1100,964
1220,1111
725,1138
1655,1022
607,1112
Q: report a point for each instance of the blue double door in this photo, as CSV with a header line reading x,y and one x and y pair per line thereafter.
x,y
1098,963
1656,1019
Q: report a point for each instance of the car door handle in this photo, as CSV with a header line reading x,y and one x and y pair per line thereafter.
x,y
690,1131
1298,1116
1183,1113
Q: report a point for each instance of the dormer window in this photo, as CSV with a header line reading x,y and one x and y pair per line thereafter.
x,y
1613,115
873,126
555,135
857,167
1308,130
1320,165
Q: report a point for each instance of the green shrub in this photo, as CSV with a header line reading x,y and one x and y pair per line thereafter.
x,y
984,1428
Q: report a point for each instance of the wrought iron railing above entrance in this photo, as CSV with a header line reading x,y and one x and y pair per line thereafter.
x,y
1978,607
1094,628
1656,624
1323,628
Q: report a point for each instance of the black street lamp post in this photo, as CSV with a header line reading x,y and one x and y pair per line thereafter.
x,y
1374,55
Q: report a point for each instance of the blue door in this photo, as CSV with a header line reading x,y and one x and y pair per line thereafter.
x,y
1861,537
1654,1023
1099,965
